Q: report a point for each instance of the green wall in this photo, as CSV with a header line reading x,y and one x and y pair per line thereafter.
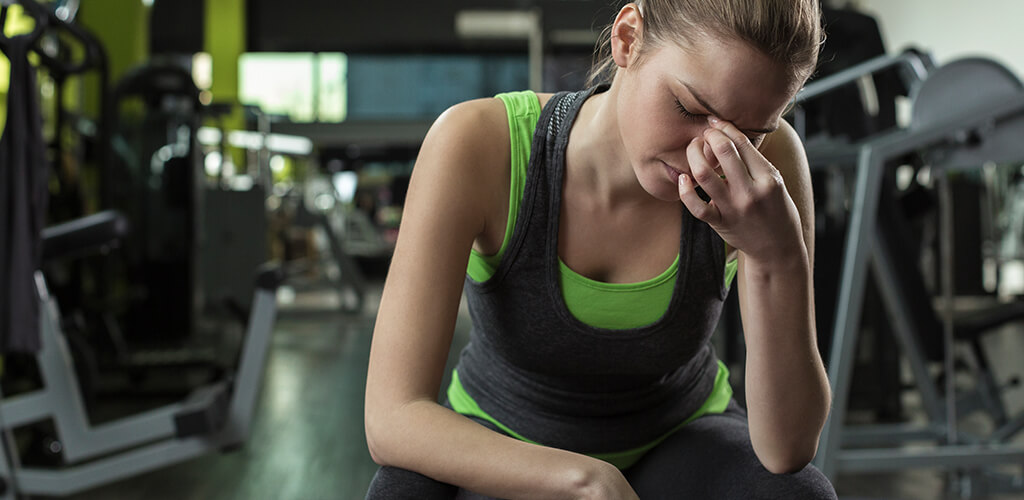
x,y
122,26
225,42
16,25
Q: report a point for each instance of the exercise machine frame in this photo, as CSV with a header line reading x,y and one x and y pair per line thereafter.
x,y
997,126
215,417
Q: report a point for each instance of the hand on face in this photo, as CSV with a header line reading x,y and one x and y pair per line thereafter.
x,y
750,207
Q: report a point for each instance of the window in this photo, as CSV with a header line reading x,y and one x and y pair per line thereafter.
x,y
334,87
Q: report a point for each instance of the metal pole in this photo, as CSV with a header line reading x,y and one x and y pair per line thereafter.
x,y
536,51
860,236
946,258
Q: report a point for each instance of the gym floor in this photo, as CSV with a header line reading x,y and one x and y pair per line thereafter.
x,y
308,442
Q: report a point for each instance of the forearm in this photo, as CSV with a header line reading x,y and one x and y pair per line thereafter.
x,y
427,438
788,395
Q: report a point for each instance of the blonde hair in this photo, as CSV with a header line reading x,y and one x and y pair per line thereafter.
x,y
787,31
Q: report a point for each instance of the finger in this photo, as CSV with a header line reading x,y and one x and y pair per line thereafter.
x,y
707,212
704,174
748,152
710,156
732,164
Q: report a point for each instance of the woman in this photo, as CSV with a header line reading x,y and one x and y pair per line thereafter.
x,y
595,271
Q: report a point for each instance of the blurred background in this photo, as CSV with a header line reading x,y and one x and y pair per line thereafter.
x,y
214,188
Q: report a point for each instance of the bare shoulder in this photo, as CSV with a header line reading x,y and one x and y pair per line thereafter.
x,y
467,146
463,166
785,150
473,128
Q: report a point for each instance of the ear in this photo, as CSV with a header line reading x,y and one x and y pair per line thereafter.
x,y
626,31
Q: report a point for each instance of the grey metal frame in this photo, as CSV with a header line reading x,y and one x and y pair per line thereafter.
x,y
105,453
862,254
913,64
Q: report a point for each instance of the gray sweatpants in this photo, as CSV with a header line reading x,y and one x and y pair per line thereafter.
x,y
710,458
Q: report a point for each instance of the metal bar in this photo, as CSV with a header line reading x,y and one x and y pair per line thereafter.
x,y
888,434
82,442
885,436
946,259
67,481
894,296
535,41
26,408
62,400
1007,431
860,233
986,394
917,63
942,456
873,157
9,459
249,377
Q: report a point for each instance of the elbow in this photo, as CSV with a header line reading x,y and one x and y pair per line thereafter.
x,y
375,427
373,445
375,451
785,466
790,461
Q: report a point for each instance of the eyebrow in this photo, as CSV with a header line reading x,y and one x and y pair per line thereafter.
x,y
708,107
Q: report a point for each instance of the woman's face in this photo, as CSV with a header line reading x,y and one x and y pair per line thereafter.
x,y
664,102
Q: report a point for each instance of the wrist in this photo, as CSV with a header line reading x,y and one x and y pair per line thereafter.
x,y
786,264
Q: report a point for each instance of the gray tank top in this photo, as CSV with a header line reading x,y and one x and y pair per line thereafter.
x,y
538,370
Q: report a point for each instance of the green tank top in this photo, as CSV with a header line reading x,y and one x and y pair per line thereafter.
x,y
615,306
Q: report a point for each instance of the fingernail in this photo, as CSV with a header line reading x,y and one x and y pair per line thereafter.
x,y
712,119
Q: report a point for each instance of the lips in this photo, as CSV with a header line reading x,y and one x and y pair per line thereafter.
x,y
672,172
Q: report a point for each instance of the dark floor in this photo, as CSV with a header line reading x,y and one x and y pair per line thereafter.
x,y
308,441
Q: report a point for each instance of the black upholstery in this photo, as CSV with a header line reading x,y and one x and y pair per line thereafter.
x,y
84,234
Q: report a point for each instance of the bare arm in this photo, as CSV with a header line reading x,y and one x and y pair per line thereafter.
x,y
788,395
450,195
765,210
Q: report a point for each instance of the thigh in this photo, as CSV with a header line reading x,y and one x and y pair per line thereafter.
x,y
392,483
401,484
712,458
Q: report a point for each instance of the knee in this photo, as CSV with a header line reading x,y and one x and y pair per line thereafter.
x,y
395,483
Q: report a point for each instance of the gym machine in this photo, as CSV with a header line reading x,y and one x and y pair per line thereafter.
x,y
966,114
312,204
214,417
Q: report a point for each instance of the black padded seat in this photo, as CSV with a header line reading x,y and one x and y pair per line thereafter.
x,y
84,234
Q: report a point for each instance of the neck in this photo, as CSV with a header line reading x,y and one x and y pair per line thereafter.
x,y
596,159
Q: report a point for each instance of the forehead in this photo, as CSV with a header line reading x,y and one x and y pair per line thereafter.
x,y
737,80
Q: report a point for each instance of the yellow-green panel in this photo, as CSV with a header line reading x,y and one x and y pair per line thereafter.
x,y
17,24
122,26
225,42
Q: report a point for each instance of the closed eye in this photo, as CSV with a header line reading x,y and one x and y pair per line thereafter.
x,y
687,114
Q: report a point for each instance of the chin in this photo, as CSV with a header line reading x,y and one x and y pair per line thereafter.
x,y
660,188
